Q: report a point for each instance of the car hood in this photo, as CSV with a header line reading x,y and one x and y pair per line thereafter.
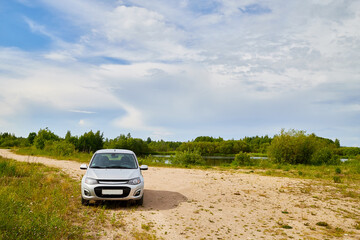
x,y
113,174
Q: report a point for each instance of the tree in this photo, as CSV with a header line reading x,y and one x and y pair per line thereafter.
x,y
337,143
68,136
43,136
90,142
72,139
31,137
136,145
208,139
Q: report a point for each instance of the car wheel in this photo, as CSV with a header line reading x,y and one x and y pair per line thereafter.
x,y
140,201
84,202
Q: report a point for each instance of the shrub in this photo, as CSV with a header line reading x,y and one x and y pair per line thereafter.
x,y
322,224
350,151
60,148
241,159
295,147
43,136
10,140
188,158
321,156
337,179
324,156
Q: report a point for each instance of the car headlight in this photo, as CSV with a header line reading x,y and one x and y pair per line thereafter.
x,y
134,181
90,181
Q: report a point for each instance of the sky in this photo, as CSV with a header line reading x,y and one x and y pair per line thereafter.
x,y
175,70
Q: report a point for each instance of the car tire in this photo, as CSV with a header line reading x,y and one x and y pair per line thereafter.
x,y
84,202
140,201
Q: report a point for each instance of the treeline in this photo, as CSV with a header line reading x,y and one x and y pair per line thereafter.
x,y
209,146
287,147
91,141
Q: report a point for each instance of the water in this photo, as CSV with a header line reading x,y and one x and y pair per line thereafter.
x,y
210,160
218,160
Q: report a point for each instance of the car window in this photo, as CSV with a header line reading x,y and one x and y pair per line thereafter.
x,y
114,160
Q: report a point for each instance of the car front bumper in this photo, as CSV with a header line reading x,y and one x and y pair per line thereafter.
x,y
112,192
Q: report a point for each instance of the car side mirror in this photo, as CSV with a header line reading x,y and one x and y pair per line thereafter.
x,y
83,166
144,167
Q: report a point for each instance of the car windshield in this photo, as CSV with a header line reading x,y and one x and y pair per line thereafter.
x,y
114,160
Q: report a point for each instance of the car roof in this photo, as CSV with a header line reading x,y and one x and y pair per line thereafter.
x,y
115,151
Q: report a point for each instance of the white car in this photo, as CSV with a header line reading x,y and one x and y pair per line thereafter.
x,y
113,174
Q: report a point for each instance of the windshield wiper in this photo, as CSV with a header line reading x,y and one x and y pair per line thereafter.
x,y
96,167
119,167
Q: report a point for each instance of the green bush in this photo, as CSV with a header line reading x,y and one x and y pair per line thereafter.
x,y
242,159
10,140
188,158
324,156
43,136
59,148
337,179
350,151
295,147
292,147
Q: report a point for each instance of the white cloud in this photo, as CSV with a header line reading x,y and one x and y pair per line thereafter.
x,y
82,111
59,56
61,88
191,68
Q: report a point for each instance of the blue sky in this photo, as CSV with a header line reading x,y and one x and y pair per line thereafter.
x,y
175,70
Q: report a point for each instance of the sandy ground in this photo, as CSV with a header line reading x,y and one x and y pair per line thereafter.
x,y
212,204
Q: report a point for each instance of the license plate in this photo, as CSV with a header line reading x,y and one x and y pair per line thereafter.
x,y
112,191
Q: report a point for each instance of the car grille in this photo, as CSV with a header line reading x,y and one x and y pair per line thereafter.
x,y
126,191
113,182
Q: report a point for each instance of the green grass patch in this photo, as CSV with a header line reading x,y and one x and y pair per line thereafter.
x,y
350,171
82,157
323,224
286,226
36,202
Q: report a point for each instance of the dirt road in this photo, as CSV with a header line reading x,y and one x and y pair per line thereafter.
x,y
212,204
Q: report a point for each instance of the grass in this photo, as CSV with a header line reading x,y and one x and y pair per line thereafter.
x,y
350,172
76,156
37,202
40,202
323,224
286,226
